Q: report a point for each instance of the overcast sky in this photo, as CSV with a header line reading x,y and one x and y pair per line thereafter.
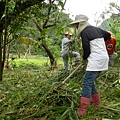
x,y
87,7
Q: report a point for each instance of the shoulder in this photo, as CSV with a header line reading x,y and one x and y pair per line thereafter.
x,y
113,38
91,29
65,38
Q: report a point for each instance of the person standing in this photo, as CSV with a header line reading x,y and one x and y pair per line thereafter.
x,y
94,51
111,49
65,52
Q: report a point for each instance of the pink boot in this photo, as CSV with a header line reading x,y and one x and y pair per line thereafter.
x,y
96,100
83,106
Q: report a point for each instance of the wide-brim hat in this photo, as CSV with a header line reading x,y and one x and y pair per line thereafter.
x,y
78,19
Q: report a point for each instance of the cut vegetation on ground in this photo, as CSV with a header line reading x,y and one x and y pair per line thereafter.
x,y
28,92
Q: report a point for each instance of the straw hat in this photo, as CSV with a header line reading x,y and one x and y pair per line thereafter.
x,y
78,18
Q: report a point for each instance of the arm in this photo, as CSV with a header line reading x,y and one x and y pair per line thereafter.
x,y
66,40
106,35
86,46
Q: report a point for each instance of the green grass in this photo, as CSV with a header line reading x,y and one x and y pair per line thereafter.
x,y
37,60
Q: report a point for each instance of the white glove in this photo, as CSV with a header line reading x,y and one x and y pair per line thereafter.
x,y
115,53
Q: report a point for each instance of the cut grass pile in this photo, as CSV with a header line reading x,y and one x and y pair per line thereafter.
x,y
28,92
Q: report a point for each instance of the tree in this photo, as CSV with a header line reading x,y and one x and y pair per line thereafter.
x,y
112,23
47,19
8,14
12,10
44,19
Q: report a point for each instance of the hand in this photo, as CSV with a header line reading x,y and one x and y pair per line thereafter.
x,y
115,53
72,41
84,63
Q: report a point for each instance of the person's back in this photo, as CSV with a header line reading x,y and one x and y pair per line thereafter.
x,y
65,45
93,40
65,50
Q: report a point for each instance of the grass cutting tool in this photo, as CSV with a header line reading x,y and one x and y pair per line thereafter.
x,y
67,78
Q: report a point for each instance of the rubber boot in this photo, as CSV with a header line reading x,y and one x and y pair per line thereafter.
x,y
83,106
96,100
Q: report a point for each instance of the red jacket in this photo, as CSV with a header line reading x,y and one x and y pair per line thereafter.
x,y
110,45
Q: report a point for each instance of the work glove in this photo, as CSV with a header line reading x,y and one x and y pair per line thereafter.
x,y
115,53
84,63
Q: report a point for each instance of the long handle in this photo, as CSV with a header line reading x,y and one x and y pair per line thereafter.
x,y
71,73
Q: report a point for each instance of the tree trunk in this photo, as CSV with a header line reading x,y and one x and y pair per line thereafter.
x,y
2,53
26,52
1,57
7,57
50,55
5,21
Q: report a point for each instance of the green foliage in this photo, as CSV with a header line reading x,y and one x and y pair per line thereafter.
x,y
29,41
112,24
52,35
